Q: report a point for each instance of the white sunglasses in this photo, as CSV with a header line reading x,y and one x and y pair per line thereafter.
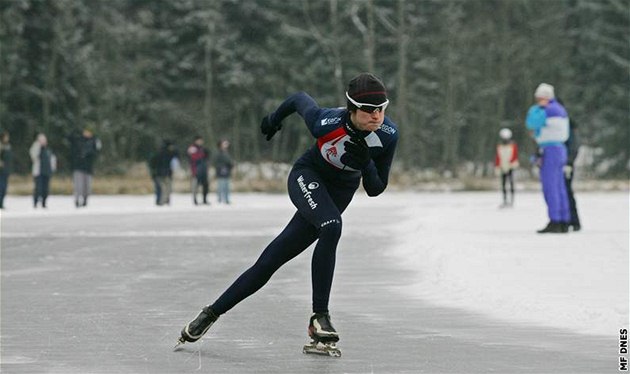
x,y
368,108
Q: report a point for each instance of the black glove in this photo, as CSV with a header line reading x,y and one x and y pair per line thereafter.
x,y
357,153
268,128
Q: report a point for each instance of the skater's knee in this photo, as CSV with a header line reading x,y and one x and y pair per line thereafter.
x,y
330,228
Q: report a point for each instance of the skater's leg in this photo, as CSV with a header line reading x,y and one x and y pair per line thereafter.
x,y
317,217
296,237
293,240
323,264
321,205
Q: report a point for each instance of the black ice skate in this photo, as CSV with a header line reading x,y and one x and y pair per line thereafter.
x,y
324,336
196,328
555,228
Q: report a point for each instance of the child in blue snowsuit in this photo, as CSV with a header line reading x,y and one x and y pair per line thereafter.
x,y
549,122
353,144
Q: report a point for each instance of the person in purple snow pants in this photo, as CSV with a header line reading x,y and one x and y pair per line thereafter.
x,y
548,122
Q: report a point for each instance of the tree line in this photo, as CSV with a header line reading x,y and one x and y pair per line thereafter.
x,y
140,71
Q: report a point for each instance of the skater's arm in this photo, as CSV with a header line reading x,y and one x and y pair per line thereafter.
x,y
376,173
299,102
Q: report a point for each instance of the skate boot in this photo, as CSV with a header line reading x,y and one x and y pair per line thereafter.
x,y
554,227
196,328
324,336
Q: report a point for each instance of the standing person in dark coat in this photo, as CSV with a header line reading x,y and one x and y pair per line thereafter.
x,y
161,169
6,163
573,146
152,163
44,164
198,156
84,148
223,165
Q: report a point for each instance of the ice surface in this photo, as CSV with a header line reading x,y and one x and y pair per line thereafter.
x,y
447,281
466,252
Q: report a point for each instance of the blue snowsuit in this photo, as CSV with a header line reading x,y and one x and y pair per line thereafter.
x,y
320,186
551,129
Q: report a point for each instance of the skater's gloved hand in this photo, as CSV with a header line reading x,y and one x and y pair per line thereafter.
x,y
267,127
567,170
357,153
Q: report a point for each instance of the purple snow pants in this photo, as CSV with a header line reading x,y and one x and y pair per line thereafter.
x,y
554,189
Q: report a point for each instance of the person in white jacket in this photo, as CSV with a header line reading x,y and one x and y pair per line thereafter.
x,y
44,164
505,162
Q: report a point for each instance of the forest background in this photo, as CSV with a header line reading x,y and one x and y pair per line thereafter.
x,y
141,71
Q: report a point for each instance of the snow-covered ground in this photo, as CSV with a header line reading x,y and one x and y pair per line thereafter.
x,y
465,251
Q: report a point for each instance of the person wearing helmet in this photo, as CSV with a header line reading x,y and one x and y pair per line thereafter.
x,y
548,123
353,145
506,161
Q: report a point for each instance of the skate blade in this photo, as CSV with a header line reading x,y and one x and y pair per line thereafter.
x,y
180,343
329,349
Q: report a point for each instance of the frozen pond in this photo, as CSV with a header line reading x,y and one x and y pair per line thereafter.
x,y
425,282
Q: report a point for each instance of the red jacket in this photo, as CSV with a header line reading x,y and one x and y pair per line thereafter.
x,y
198,157
506,156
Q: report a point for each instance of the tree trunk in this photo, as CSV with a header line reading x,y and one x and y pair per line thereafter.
x,y
402,110
208,98
370,47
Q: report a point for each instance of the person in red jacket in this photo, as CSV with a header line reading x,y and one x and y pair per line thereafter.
x,y
505,162
199,156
